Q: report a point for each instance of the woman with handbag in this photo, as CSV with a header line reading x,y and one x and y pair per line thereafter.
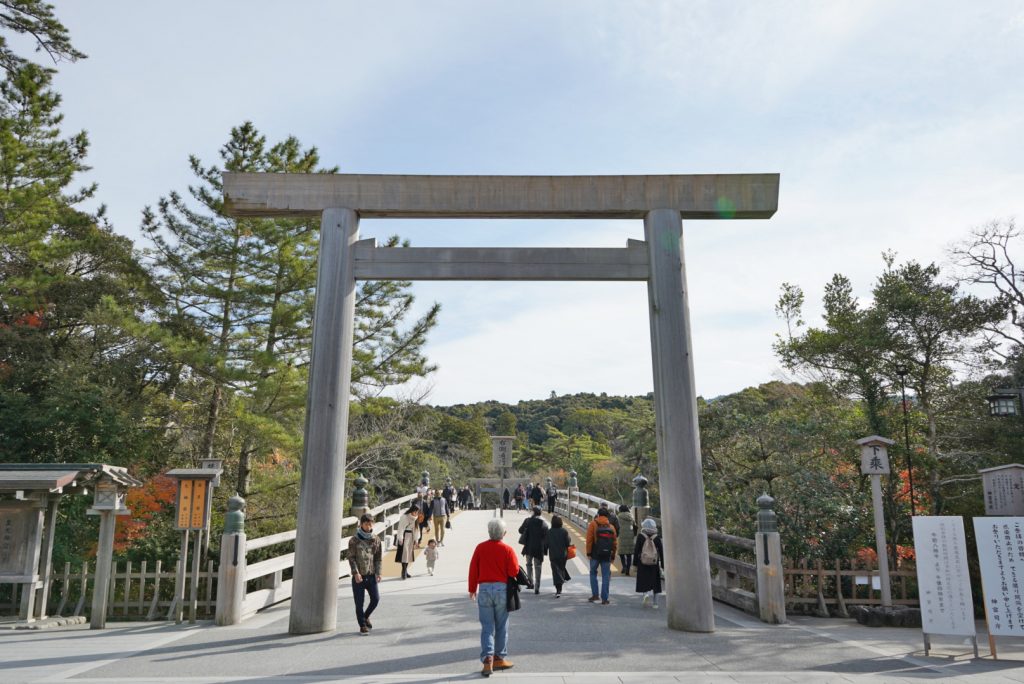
x,y
494,562
559,542
405,551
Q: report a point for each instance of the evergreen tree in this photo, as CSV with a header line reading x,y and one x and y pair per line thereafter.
x,y
242,290
36,19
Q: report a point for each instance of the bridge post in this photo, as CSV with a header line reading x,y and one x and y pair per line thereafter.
x,y
681,482
231,571
321,496
771,589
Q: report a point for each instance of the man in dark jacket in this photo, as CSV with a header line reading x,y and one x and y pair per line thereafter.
x,y
536,494
534,537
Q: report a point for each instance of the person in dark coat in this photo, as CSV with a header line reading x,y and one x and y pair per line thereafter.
x,y
648,574
536,494
534,537
558,553
505,497
520,497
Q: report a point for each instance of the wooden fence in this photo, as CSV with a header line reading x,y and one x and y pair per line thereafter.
x,y
138,591
839,583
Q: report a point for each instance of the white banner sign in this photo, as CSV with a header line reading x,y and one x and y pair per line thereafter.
x,y
1001,554
943,585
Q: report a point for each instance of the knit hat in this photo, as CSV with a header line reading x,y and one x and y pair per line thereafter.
x,y
649,525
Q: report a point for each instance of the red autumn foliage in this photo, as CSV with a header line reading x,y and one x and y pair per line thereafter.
x,y
152,498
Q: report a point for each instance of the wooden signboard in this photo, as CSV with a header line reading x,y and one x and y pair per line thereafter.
x,y
15,525
1004,490
191,510
501,451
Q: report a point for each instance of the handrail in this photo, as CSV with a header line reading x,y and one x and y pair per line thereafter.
x,y
269,572
748,544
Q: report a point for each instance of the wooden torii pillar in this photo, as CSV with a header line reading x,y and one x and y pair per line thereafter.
x,y
662,202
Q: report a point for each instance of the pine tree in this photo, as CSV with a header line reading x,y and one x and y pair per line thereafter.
x,y
244,290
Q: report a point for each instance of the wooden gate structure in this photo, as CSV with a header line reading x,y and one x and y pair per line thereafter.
x,y
661,202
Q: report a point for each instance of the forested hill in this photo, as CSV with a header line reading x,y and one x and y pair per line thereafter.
x,y
532,417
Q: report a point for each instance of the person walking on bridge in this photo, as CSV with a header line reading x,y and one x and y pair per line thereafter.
x,y
558,553
536,494
364,559
601,546
440,515
627,539
552,497
405,551
493,563
534,538
649,558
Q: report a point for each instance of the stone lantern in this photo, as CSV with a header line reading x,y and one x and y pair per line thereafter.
x,y
108,503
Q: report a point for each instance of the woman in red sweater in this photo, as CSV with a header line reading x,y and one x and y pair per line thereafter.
x,y
493,563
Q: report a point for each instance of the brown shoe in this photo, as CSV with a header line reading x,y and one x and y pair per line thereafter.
x,y
488,666
501,663
594,598
605,603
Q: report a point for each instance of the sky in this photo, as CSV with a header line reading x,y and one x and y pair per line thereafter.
x,y
894,126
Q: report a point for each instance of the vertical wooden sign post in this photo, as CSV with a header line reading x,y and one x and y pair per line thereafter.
x,y
501,457
874,461
192,512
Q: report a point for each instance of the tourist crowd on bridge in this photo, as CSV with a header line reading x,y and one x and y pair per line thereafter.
x,y
495,572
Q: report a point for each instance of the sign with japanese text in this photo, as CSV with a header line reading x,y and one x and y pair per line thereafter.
x,y
501,451
943,583
191,510
874,459
1004,490
15,525
1001,556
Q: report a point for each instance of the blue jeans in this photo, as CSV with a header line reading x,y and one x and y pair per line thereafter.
x,y
606,576
490,600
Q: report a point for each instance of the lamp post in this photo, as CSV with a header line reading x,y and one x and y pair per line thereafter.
x,y
1003,401
903,371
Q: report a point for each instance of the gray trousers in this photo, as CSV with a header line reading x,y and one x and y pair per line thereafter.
x,y
533,566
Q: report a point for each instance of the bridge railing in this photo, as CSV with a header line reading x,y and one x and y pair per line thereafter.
x,y
244,589
756,588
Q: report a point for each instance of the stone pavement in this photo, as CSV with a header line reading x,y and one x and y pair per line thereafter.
x,y
426,631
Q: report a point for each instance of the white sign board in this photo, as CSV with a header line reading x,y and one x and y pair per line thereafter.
x,y
1001,555
501,451
1004,490
943,584
874,460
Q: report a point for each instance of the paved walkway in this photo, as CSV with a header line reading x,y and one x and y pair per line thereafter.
x,y
426,631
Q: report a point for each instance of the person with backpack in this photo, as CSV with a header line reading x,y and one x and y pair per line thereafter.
x,y
627,539
534,538
649,559
601,546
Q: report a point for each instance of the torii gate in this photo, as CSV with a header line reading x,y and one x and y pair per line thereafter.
x,y
661,201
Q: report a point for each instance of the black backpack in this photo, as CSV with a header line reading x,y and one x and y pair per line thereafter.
x,y
604,542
